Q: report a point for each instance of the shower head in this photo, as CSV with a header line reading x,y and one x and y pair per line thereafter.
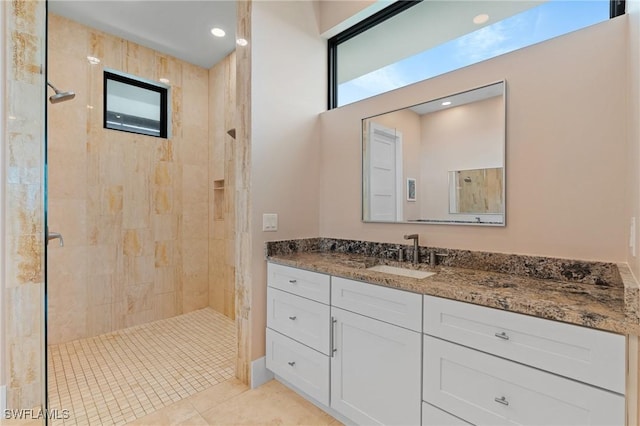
x,y
60,96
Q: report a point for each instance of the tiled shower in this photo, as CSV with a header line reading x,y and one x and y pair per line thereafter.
x,y
148,231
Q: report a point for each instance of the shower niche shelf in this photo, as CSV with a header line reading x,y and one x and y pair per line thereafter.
x,y
218,199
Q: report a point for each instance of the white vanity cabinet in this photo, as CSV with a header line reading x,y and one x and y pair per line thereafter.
x,y
383,356
375,368
478,365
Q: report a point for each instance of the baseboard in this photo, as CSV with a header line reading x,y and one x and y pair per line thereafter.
x,y
3,398
259,372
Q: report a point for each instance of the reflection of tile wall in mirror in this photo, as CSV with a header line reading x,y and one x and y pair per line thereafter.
x,y
459,132
478,191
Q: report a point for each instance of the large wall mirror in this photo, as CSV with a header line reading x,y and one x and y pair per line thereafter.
x,y
441,161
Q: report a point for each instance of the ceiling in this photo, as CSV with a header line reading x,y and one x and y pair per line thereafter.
x,y
180,28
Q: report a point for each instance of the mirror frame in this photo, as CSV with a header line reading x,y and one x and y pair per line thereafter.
x,y
503,223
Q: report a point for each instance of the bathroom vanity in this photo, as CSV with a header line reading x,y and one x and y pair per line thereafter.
x,y
462,346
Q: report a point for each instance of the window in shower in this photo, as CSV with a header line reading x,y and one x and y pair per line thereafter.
x,y
135,105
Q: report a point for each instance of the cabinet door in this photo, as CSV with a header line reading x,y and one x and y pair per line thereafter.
x,y
375,371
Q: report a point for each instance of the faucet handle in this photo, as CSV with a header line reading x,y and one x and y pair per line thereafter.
x,y
400,250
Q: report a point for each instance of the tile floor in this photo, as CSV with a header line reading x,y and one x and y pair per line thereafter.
x,y
117,377
231,403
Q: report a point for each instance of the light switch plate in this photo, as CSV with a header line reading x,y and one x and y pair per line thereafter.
x,y
269,222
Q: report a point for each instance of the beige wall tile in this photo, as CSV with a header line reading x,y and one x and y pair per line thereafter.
x,y
69,217
165,281
164,305
195,291
195,220
100,319
194,184
139,269
165,227
164,253
139,298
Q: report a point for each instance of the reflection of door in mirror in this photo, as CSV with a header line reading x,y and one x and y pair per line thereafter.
x,y
384,174
479,191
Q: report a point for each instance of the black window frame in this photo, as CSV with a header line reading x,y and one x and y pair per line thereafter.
x,y
616,8
164,96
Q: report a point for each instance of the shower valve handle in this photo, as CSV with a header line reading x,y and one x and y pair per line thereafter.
x,y
53,236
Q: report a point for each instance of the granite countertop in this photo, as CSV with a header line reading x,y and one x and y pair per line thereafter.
x,y
606,305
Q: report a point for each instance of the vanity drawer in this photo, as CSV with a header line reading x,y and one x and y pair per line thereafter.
x,y
301,319
390,305
488,390
299,365
432,416
581,353
311,285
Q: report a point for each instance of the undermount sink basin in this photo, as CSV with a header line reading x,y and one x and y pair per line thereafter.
x,y
411,273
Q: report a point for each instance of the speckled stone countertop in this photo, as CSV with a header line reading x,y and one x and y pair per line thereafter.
x,y
606,298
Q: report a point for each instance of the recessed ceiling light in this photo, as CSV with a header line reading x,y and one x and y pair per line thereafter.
x,y
93,60
480,19
242,42
445,103
164,80
218,32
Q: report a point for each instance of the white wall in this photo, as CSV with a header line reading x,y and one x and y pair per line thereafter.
x,y
633,118
566,151
288,92
335,16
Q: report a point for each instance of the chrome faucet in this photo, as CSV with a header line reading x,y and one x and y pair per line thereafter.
x,y
416,251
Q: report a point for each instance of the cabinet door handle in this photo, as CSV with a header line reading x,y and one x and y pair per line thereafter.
x,y
502,335
292,363
332,333
293,318
293,281
502,400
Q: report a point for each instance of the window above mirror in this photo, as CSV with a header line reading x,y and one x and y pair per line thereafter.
x,y
413,41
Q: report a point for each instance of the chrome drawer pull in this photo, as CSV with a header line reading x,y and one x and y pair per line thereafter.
x,y
332,332
292,363
502,400
293,281
502,335
293,318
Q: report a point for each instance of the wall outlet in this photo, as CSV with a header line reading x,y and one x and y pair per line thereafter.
x,y
632,236
269,222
